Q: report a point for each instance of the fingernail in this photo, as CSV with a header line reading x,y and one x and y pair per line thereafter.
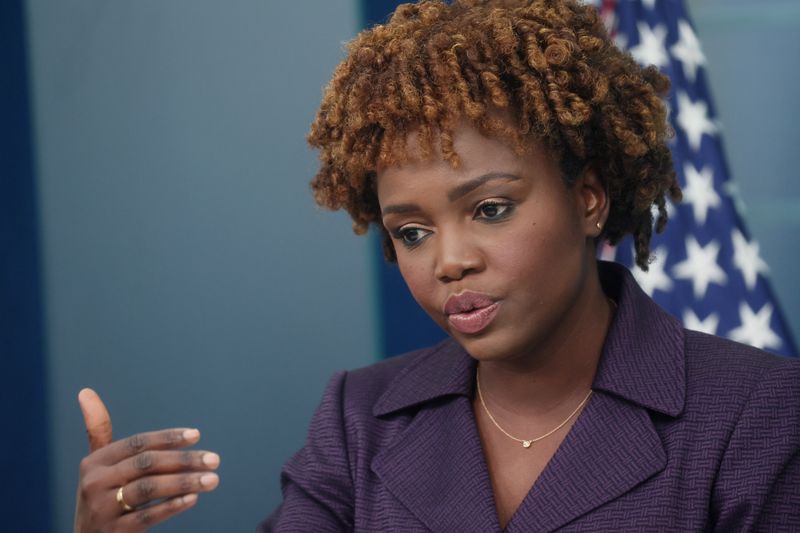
x,y
190,434
208,479
211,459
189,498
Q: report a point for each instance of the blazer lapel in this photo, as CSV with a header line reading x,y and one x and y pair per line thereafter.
x,y
612,448
437,469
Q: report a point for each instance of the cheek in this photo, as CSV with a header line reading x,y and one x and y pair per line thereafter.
x,y
419,279
537,250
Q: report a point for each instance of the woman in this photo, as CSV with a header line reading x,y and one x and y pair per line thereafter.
x,y
496,143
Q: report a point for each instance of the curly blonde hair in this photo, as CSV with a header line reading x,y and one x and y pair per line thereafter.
x,y
549,63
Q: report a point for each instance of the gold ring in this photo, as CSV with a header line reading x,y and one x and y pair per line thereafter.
x,y
121,501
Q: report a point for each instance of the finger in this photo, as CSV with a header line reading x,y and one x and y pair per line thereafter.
x,y
165,462
164,439
142,519
95,418
147,489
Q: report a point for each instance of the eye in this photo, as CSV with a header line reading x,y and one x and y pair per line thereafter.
x,y
493,210
411,236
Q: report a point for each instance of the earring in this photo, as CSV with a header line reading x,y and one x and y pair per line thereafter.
x,y
599,226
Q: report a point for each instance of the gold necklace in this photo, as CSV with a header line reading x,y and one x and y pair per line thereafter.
x,y
526,443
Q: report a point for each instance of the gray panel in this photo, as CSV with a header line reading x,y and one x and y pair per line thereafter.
x,y
189,277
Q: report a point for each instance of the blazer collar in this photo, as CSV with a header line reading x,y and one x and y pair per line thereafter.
x,y
642,359
442,370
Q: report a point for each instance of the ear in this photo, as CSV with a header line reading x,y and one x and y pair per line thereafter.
x,y
593,202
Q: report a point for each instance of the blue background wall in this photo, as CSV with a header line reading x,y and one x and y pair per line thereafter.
x,y
187,275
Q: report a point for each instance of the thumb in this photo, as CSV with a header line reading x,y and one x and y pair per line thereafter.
x,y
96,419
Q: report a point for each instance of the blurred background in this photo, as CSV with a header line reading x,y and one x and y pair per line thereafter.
x,y
161,245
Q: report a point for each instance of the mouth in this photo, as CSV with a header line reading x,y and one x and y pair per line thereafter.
x,y
470,312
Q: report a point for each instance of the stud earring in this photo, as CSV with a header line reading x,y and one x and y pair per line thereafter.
x,y
599,226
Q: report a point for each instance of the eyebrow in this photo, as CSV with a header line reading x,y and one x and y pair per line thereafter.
x,y
455,193
474,183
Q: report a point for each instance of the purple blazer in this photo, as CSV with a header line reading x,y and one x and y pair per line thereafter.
x,y
684,432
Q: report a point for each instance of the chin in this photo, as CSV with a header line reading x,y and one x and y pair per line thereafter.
x,y
500,345
487,346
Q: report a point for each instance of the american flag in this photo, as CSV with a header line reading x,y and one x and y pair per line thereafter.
x,y
706,268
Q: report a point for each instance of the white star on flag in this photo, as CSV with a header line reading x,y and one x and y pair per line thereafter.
x,y
688,51
693,119
746,258
654,278
708,325
700,266
649,4
621,41
699,190
668,205
651,50
755,329
668,107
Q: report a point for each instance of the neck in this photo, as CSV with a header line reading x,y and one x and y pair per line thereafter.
x,y
559,372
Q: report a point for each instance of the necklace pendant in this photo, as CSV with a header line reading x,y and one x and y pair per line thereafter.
x,y
526,444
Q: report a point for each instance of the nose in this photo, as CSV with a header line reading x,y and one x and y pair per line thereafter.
x,y
456,258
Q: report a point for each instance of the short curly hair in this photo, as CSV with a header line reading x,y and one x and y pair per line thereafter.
x,y
550,63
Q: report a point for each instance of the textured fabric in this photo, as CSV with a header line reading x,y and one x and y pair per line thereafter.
x,y
685,432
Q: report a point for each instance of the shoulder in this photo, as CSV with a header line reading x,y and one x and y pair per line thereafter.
x,y
363,387
735,370
737,395
749,400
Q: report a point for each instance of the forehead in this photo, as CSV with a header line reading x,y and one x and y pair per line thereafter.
x,y
476,155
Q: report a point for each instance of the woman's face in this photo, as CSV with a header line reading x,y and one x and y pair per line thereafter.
x,y
497,251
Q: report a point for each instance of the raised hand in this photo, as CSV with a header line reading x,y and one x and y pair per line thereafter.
x,y
133,483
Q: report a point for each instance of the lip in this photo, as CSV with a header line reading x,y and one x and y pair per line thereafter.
x,y
470,312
